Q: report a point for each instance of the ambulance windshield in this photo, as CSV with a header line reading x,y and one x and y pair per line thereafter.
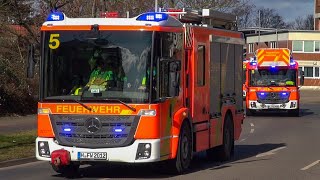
x,y
273,77
112,65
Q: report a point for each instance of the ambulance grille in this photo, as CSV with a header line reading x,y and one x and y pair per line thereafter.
x,y
94,131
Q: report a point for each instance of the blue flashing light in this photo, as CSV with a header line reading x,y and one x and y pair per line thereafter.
x,y
284,94
292,63
253,63
66,129
118,130
153,16
273,66
262,95
56,16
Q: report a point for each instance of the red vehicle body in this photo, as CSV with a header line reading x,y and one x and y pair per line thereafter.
x,y
191,103
272,79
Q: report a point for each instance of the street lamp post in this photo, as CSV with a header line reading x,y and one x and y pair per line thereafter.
x,y
156,5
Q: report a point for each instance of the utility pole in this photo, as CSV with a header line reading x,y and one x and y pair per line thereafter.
x,y
156,5
259,29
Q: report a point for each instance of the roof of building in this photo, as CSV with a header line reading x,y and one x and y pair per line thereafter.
x,y
254,31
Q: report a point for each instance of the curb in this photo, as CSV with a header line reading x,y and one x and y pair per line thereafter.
x,y
17,162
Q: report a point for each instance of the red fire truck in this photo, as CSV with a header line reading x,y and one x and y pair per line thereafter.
x,y
272,82
173,88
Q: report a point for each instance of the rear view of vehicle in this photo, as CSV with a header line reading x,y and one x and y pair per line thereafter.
x,y
273,82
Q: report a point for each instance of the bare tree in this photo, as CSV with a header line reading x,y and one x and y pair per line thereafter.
x,y
269,18
303,23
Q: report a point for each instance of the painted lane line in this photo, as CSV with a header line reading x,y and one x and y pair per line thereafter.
x,y
251,124
243,139
310,165
251,131
272,152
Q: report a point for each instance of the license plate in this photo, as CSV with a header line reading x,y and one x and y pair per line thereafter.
x,y
274,106
92,155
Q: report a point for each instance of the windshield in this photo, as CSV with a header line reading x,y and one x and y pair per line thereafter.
x,y
272,77
96,65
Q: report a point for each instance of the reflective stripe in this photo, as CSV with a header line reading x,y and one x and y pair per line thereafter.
x,y
144,79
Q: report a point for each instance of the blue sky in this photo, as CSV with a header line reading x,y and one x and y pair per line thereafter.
x,y
288,9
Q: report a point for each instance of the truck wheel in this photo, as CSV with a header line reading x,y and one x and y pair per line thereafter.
x,y
184,155
68,170
294,112
226,151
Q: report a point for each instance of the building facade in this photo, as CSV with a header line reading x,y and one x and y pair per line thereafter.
x,y
304,45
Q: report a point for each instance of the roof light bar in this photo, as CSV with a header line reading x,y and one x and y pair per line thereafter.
x,y
55,16
153,16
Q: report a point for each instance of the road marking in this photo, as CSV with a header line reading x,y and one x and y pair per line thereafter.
x,y
243,139
272,152
251,131
310,165
251,124
104,178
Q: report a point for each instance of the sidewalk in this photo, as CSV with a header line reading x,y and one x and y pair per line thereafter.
x,y
12,124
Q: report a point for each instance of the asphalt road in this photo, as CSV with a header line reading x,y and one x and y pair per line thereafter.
x,y
271,147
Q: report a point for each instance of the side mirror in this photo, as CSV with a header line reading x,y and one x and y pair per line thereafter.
x,y
174,77
31,62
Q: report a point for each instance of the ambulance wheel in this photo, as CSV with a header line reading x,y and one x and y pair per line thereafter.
x,y
294,112
184,153
226,151
68,170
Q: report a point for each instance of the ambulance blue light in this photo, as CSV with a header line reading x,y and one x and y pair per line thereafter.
x,y
292,63
153,16
56,16
273,66
253,63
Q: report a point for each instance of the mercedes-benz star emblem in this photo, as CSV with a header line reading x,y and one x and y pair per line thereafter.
x,y
93,125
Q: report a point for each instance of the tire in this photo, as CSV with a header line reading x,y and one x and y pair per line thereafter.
x,y
69,170
226,151
294,112
181,163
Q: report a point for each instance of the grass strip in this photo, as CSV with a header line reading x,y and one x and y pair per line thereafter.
x,y
17,145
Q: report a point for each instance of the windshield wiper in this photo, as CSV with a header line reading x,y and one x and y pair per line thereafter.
x,y
85,106
130,107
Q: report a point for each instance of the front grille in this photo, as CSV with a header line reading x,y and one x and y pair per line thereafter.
x,y
273,98
79,135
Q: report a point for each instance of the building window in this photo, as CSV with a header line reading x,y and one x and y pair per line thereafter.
x,y
317,46
316,71
251,46
308,46
273,44
201,66
300,71
308,71
297,46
